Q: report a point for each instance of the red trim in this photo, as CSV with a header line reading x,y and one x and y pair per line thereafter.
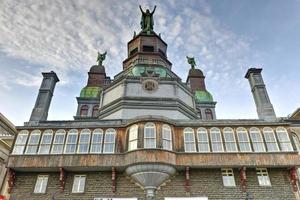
x,y
62,179
243,179
11,180
113,179
294,178
187,179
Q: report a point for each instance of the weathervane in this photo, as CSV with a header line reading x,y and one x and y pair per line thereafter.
x,y
191,61
101,58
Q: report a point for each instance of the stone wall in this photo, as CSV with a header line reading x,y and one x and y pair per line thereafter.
x,y
203,183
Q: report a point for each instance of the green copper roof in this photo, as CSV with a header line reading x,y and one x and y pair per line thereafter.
x,y
90,92
139,70
203,96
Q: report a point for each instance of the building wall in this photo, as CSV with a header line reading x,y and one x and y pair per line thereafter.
x,y
203,183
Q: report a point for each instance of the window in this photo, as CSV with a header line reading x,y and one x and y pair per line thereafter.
x,y
20,142
84,111
229,138
167,137
109,141
243,139
228,177
149,135
148,48
95,111
71,141
296,141
46,140
216,140
263,177
208,114
41,184
84,141
58,142
257,140
78,184
135,50
33,142
284,140
97,139
189,140
270,139
203,141
133,137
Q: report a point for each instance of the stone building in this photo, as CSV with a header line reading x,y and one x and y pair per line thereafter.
x,y
146,134
7,133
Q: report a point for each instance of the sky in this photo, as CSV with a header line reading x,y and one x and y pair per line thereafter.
x,y
226,37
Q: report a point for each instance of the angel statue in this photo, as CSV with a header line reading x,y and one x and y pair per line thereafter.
x,y
191,61
101,57
147,19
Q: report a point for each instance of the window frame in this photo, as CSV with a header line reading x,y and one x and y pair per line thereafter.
x,y
67,143
113,132
166,130
244,143
228,130
42,187
269,142
84,108
84,132
208,114
215,130
257,144
296,141
228,173
150,125
97,131
35,145
133,137
61,145
48,144
20,142
287,142
186,131
201,143
78,177
263,172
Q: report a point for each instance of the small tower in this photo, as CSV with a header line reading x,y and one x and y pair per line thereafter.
x,y
263,104
89,99
205,104
42,104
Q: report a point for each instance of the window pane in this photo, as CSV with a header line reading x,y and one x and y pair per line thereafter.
x,y
243,140
84,141
189,140
109,141
284,140
78,184
229,140
32,145
270,139
97,138
167,137
133,137
20,142
216,140
71,142
149,136
41,184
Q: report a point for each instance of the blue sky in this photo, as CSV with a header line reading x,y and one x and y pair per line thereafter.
x,y
226,38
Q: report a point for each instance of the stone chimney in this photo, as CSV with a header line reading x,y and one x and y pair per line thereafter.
x,y
42,104
263,104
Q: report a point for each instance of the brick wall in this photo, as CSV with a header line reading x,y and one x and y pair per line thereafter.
x,y
206,182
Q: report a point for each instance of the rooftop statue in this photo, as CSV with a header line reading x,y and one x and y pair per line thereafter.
x,y
147,19
191,61
101,58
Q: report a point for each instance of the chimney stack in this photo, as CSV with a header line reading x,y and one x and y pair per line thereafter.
x,y
42,104
263,104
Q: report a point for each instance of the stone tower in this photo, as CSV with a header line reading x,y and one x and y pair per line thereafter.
x,y
42,104
263,104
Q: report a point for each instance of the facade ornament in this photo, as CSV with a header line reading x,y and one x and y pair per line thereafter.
x,y
294,178
243,179
11,180
62,179
191,61
147,21
101,58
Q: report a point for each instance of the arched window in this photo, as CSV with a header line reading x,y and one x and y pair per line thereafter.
x,y
33,142
58,142
296,141
149,135
97,140
20,142
284,140
84,141
95,111
167,137
257,140
203,141
46,140
270,139
109,141
243,138
189,140
84,111
216,140
230,143
208,114
71,141
133,137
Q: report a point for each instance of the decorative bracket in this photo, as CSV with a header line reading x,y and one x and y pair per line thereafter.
x,y
62,179
11,179
187,179
243,179
113,179
294,178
